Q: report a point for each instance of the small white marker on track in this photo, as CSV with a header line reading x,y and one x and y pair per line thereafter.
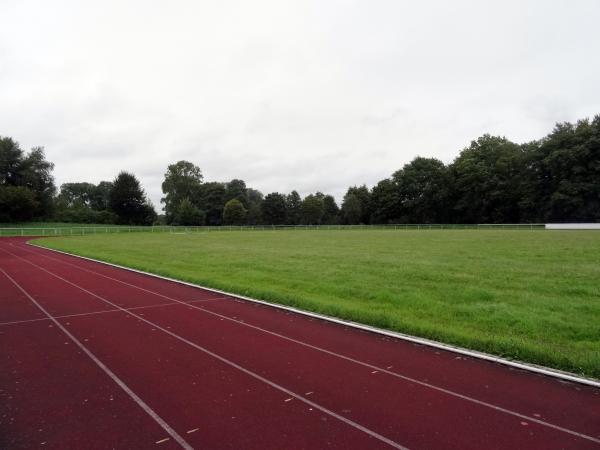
x,y
192,431
289,399
162,440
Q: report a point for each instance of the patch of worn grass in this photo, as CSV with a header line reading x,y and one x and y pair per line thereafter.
x,y
528,295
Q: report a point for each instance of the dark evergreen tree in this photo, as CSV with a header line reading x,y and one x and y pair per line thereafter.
x,y
128,201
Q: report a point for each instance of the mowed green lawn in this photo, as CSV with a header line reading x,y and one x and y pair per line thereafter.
x,y
529,295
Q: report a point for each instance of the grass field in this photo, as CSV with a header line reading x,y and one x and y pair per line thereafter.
x,y
529,295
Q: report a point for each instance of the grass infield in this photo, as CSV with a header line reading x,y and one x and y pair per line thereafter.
x,y
528,295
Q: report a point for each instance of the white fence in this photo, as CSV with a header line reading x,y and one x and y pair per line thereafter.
x,y
83,230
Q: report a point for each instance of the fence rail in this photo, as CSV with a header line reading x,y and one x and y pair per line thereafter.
x,y
82,230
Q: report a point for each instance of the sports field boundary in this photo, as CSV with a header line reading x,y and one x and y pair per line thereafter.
x,y
547,371
82,230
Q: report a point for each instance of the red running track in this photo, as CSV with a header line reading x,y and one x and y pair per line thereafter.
x,y
94,356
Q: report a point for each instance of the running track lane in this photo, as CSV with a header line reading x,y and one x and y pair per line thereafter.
x,y
412,395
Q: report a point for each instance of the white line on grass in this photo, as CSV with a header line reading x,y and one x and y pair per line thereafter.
x,y
329,352
106,370
230,363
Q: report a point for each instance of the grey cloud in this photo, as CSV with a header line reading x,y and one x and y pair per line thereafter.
x,y
304,95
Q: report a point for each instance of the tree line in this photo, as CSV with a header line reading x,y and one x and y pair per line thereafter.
x,y
493,180
28,192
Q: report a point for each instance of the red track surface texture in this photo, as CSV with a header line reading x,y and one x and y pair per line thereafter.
x,y
93,356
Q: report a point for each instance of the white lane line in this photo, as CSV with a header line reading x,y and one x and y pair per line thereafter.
x,y
158,305
106,370
347,358
230,363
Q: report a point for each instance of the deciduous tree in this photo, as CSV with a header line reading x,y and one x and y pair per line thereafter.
x,y
234,212
188,214
293,204
273,209
182,180
312,210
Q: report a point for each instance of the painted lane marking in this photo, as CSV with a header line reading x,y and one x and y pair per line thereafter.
x,y
106,370
230,363
158,305
338,355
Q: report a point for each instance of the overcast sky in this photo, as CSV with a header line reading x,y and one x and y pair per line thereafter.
x,y
306,95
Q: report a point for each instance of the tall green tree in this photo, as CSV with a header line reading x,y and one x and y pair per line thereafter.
x,y
11,158
273,209
30,171
488,181
562,174
212,202
128,201
100,200
385,202
424,189
331,211
293,205
352,209
187,214
84,203
234,213
255,199
362,194
72,193
236,189
312,210
36,174
182,180
17,204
